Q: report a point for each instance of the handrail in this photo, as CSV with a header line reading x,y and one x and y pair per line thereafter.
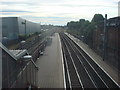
x,y
26,76
34,64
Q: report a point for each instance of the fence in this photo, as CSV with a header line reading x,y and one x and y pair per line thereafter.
x,y
26,77
20,74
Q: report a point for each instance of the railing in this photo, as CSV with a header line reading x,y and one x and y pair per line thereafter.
x,y
28,74
26,77
21,74
17,74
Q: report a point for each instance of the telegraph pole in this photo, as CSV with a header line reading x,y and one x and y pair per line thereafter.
x,y
105,38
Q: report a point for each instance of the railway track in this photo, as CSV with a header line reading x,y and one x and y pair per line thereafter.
x,y
80,70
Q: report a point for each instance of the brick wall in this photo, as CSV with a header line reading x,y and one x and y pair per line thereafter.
x,y
113,40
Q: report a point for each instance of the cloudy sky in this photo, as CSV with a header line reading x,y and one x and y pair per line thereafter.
x,y
57,12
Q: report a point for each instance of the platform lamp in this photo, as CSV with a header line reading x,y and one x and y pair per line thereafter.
x,y
105,38
29,58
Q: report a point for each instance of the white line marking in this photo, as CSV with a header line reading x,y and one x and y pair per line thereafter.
x,y
67,69
62,62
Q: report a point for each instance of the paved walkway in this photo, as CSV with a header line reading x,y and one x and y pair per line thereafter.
x,y
50,74
113,72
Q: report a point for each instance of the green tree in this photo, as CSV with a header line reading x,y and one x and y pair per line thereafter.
x,y
88,34
85,28
97,18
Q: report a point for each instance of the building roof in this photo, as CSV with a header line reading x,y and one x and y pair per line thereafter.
x,y
115,21
114,18
16,54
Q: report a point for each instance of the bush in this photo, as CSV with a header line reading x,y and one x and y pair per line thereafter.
x,y
21,37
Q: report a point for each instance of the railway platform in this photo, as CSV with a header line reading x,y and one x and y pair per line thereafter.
x,y
110,70
50,74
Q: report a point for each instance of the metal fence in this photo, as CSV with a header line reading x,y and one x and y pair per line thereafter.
x,y
27,76
20,74
17,74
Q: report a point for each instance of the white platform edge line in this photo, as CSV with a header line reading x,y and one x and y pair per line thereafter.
x,y
94,60
62,62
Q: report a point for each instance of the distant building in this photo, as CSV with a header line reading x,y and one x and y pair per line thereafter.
x,y
12,27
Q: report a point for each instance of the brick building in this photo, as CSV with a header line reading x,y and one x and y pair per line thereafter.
x,y
113,43
112,53
98,38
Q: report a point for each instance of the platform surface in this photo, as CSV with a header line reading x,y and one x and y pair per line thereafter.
x,y
50,74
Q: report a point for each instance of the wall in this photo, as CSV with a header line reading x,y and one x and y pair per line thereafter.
x,y
12,27
98,38
30,27
113,40
17,73
9,70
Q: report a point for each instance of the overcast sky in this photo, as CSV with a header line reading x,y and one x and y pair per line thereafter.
x,y
57,12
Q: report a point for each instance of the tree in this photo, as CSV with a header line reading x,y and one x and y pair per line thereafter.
x,y
88,33
97,18
85,28
73,25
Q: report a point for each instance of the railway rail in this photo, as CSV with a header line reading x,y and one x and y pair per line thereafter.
x,y
80,70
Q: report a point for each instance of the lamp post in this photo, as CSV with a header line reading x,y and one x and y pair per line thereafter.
x,y
22,43
33,74
25,27
105,38
82,37
29,58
